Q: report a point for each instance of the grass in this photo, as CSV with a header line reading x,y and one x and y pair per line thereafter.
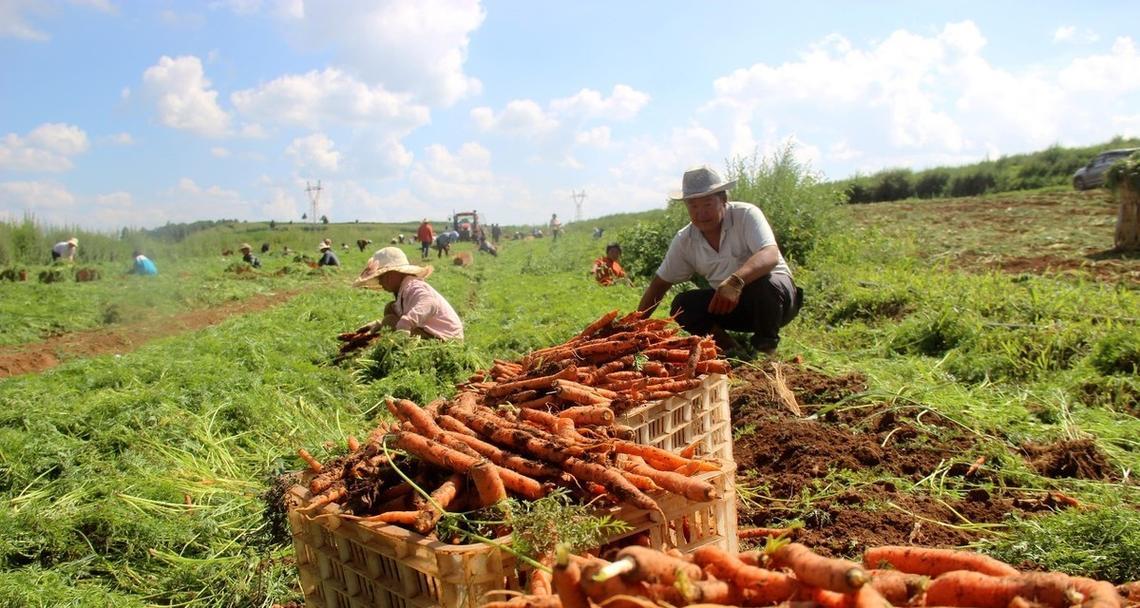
x,y
99,456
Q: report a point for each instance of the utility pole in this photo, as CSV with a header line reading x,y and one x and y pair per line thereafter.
x,y
578,197
314,193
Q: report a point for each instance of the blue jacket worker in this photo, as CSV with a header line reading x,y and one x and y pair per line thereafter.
x,y
143,265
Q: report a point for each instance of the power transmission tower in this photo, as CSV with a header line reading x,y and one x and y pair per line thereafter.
x,y
314,193
578,198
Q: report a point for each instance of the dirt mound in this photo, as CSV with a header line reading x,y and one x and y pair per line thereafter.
x,y
1080,459
784,458
39,356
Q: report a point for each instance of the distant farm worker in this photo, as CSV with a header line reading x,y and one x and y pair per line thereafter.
x,y
443,242
555,226
65,249
419,309
732,246
496,233
488,247
363,243
248,257
328,258
264,248
607,270
425,235
142,265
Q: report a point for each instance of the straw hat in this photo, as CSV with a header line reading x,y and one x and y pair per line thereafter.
x,y
74,242
324,245
700,181
386,260
244,247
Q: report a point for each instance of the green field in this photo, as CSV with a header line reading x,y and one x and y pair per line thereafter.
x,y
135,477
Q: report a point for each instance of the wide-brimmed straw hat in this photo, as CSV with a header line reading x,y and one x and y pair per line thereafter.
x,y
245,246
74,242
386,260
324,245
701,181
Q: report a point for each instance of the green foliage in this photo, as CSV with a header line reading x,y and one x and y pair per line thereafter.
x,y
1118,352
933,333
418,369
1053,166
802,210
1125,174
1101,543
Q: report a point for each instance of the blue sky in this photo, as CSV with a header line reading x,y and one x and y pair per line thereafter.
x,y
118,113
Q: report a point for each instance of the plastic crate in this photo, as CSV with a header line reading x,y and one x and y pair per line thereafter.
x,y
687,525
343,564
699,415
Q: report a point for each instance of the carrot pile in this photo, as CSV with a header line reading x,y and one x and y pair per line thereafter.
x,y
467,456
354,341
791,574
615,362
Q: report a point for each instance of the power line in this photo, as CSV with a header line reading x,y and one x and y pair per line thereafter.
x,y
578,197
314,193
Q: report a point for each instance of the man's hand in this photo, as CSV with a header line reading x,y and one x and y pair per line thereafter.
x,y
727,296
370,328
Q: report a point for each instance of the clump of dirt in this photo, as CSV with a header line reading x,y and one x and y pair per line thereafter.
x,y
1080,459
756,390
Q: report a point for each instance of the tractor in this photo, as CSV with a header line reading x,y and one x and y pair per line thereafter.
x,y
466,223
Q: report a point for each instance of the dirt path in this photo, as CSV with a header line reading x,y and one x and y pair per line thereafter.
x,y
39,356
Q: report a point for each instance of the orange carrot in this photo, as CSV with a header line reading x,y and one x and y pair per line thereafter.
x,y
539,583
408,411
403,518
932,562
584,395
598,325
869,597
314,466
606,348
332,495
543,382
641,482
665,354
612,480
459,462
691,449
813,569
443,496
653,566
537,403
353,444
693,489
589,415
898,587
451,424
974,467
760,586
753,533
504,458
660,459
567,579
968,588
488,483
712,366
678,386
1098,594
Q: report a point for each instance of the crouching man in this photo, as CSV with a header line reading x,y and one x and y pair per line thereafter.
x,y
732,246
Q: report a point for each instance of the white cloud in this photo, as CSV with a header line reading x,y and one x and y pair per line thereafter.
x,y
1117,72
35,197
842,151
49,148
219,152
522,117
120,139
183,97
1064,33
329,97
598,137
281,205
14,20
418,47
1069,33
314,152
623,104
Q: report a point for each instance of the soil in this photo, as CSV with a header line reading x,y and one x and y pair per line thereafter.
x,y
1080,459
788,456
39,356
1108,270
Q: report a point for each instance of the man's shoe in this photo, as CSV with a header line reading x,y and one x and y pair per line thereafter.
x,y
764,344
724,342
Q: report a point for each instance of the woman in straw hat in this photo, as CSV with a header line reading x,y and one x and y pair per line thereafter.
x,y
732,246
328,258
248,257
65,249
419,309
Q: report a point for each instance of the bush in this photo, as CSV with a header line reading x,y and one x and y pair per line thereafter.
x,y
1118,353
931,184
894,185
932,334
973,182
1102,543
802,210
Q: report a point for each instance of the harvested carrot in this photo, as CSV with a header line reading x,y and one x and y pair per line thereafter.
x,y
589,415
488,483
898,587
932,562
641,482
353,444
1098,594
566,579
869,597
537,403
655,567
693,489
525,601
712,366
577,393
539,583
612,480
543,382
459,462
762,586
443,496
690,450
976,466
314,465
408,411
451,424
598,325
504,458
837,575
753,533
659,459
969,588
403,518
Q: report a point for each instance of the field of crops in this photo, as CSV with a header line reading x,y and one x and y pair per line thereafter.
x,y
964,372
